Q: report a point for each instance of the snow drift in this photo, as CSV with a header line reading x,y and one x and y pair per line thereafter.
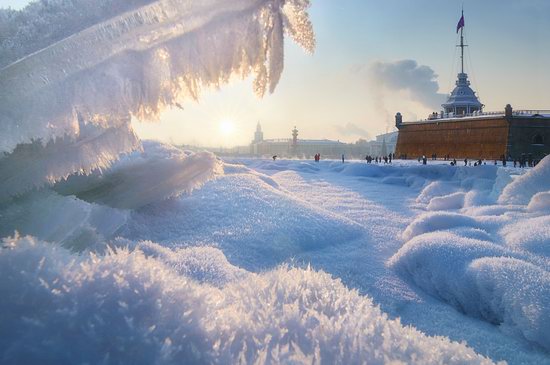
x,y
481,279
489,259
523,188
531,234
256,225
132,307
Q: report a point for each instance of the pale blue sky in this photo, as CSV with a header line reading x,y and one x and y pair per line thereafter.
x,y
509,45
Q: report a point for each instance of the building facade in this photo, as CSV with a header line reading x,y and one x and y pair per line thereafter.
x,y
463,130
307,148
486,136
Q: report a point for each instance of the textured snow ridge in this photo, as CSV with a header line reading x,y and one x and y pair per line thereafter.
x,y
136,63
255,224
437,221
481,279
532,235
153,305
485,251
523,189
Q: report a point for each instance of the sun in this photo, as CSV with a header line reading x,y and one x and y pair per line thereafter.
x,y
226,127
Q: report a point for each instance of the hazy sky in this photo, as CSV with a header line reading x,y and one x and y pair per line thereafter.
x,y
375,58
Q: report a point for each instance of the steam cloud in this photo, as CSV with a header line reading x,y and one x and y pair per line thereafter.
x,y
407,75
350,129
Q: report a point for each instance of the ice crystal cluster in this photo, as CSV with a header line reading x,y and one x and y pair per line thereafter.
x,y
68,97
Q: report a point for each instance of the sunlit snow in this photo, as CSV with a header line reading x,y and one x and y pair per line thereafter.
x,y
117,250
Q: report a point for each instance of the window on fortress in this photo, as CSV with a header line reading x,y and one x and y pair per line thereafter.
x,y
538,139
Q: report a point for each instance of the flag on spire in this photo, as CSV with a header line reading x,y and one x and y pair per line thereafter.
x,y
460,24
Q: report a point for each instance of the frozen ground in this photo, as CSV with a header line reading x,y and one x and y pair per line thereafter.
x,y
121,251
280,261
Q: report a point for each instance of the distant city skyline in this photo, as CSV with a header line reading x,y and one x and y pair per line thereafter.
x,y
374,59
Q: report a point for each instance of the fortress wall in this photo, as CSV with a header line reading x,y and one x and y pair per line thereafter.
x,y
485,138
522,136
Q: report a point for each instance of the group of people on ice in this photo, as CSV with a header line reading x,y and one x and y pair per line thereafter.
x,y
379,159
524,161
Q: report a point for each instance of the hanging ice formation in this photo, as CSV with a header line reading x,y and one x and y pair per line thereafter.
x,y
68,106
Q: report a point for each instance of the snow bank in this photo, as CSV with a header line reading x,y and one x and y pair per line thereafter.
x,y
414,174
447,202
126,307
256,225
202,264
435,221
515,293
437,263
74,98
481,279
540,202
435,189
531,235
524,187
435,180
454,257
158,172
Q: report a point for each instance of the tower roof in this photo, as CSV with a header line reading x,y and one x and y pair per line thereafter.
x,y
462,95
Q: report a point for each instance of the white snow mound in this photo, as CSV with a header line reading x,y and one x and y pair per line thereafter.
x,y
127,307
540,202
531,235
436,221
524,187
481,279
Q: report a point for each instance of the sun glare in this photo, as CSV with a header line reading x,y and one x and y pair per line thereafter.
x,y
226,127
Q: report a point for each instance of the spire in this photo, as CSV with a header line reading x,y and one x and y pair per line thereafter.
x,y
259,135
463,99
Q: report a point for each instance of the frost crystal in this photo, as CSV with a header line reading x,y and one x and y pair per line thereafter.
x,y
150,56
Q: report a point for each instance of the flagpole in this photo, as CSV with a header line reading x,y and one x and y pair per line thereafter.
x,y
462,44
462,50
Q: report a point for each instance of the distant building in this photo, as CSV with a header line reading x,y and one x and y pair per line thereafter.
x,y
463,130
307,148
384,144
258,135
294,147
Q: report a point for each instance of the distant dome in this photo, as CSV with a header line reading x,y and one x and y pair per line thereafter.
x,y
463,99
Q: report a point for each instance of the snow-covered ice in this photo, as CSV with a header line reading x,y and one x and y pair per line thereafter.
x,y
285,261
117,250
